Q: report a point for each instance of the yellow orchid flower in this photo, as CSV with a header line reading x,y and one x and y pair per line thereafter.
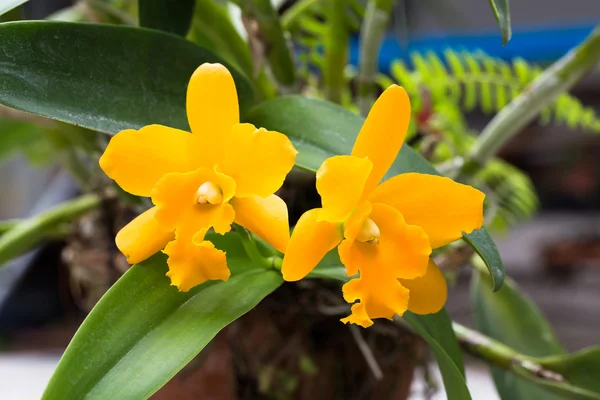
x,y
223,172
383,231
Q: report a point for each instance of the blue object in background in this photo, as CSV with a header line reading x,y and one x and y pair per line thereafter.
x,y
534,45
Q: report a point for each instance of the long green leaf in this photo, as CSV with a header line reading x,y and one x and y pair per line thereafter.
x,y
101,77
580,369
143,330
321,129
167,15
436,330
502,14
7,5
511,318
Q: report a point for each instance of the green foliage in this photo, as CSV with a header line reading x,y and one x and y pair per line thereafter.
x,y
511,318
502,14
166,15
485,247
143,330
478,80
436,330
141,80
511,195
321,32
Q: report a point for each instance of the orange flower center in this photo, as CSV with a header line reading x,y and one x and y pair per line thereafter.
x,y
369,232
209,193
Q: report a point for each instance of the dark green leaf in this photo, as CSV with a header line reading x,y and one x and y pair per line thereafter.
x,y
167,15
436,330
483,244
511,318
502,14
101,77
320,129
143,330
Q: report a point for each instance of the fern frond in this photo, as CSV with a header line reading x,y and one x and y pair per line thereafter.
x,y
510,192
476,80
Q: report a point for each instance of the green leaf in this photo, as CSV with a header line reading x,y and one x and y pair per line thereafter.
x,y
102,77
320,129
7,5
167,15
436,330
29,232
143,330
502,14
213,29
511,318
483,245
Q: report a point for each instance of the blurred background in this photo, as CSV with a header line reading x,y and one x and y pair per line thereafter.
x,y
552,248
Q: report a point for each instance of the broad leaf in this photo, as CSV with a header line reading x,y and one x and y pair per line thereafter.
x,y
7,5
321,129
436,330
502,14
143,330
167,15
485,247
511,318
102,77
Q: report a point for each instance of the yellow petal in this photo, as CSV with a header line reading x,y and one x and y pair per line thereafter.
x,y
379,293
194,262
383,132
266,217
212,108
443,208
176,200
142,237
136,160
258,160
356,220
427,294
309,243
340,182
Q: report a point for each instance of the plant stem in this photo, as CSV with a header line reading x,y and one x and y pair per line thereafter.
x,y
336,50
291,15
554,81
28,232
377,16
278,51
503,356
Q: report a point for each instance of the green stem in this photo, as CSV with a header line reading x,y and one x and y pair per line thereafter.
x,y
550,84
251,248
294,12
502,356
377,16
278,51
28,232
336,50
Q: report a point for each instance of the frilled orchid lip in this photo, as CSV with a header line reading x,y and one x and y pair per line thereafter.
x,y
390,228
192,179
